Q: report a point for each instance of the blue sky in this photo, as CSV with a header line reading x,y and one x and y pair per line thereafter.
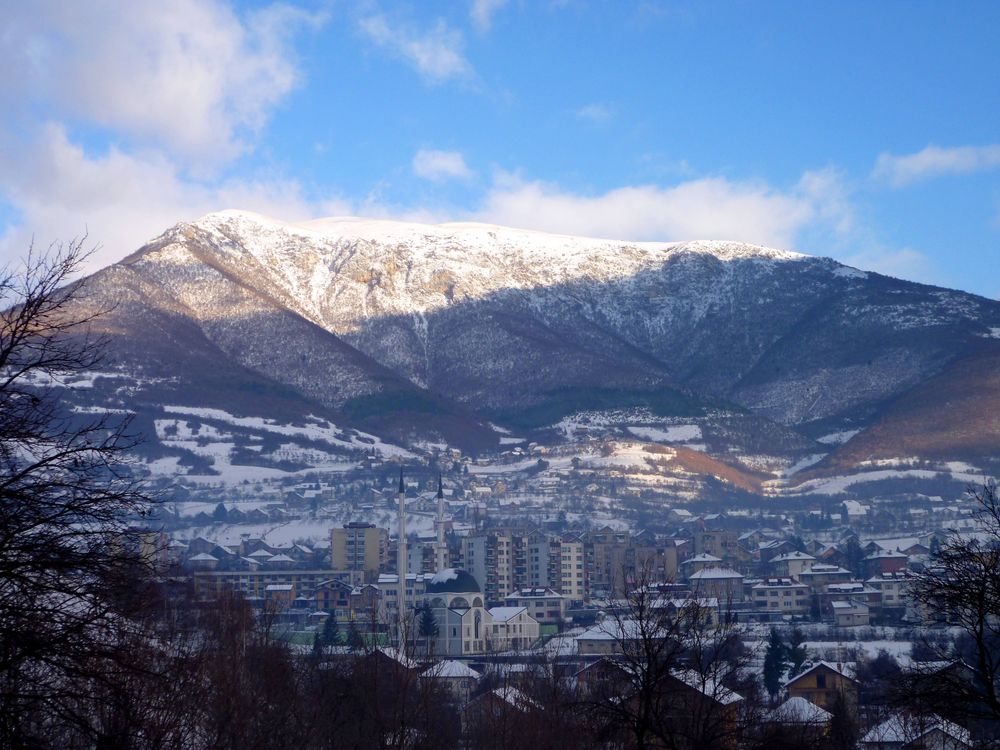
x,y
869,132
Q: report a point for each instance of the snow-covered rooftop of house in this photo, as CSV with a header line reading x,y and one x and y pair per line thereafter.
x,y
450,669
707,686
396,655
904,728
798,710
514,697
708,573
788,556
846,606
702,558
845,670
203,557
503,614
280,558
826,568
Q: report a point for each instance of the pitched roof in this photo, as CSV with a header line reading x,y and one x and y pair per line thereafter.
x,y
449,669
502,614
798,710
844,670
904,728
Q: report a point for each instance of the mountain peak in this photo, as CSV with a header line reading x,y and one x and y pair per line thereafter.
x,y
478,235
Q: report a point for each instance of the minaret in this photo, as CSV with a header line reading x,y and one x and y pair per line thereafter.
x,y
401,561
441,552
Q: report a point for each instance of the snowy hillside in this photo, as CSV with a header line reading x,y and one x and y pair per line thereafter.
x,y
449,334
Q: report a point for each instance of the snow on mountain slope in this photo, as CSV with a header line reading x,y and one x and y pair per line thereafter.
x,y
426,334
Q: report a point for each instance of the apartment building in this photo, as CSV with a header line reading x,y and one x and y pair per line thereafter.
x,y
360,547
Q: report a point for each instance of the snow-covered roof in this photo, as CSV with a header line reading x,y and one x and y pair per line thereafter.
x,y
514,697
706,573
845,670
786,557
450,669
396,655
503,614
798,710
280,558
904,728
261,553
704,557
203,557
707,686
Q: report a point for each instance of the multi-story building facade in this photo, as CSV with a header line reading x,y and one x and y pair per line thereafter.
x,y
545,605
360,547
784,595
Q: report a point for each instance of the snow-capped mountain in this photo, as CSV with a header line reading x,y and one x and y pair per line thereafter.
x,y
417,332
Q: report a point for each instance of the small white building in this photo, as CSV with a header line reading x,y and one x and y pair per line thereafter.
x,y
511,628
460,679
850,614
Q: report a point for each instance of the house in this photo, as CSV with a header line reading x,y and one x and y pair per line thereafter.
x,y
511,628
850,614
724,584
799,711
783,595
791,564
457,677
824,684
545,605
905,731
795,723
700,562
885,561
603,675
821,575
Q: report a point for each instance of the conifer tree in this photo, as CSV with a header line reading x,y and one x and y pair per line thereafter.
x,y
775,663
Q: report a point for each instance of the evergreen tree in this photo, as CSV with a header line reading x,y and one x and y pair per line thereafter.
x,y
355,640
220,514
331,630
855,557
797,651
317,644
775,662
427,626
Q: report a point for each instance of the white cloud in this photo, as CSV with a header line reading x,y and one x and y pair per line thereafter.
x,y
440,165
437,54
934,161
188,76
595,112
482,12
902,263
122,200
706,208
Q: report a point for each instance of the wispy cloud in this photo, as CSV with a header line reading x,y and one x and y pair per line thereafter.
x,y
436,54
595,112
122,199
482,12
934,161
440,166
189,77
705,208
902,263
176,91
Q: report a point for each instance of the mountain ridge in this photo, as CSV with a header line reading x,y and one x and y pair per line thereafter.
x,y
435,330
